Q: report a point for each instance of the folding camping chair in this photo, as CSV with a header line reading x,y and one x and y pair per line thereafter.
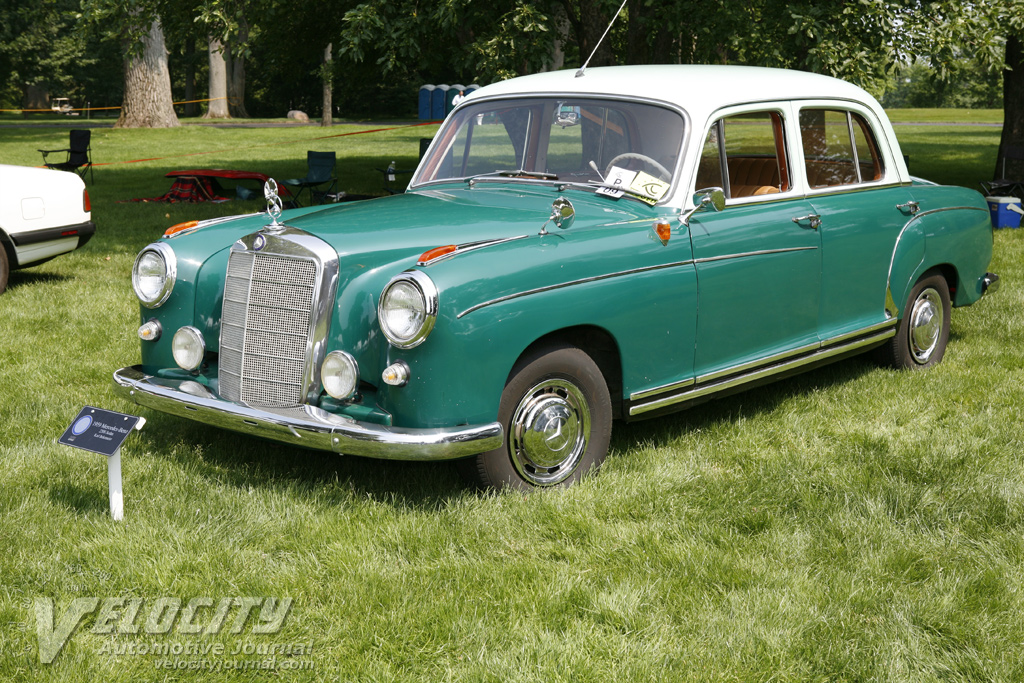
x,y
79,154
1006,187
320,172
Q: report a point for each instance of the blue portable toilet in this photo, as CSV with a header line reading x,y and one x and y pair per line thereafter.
x,y
424,109
471,87
437,102
453,90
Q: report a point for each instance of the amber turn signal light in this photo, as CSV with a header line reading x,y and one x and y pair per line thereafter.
x,y
175,229
436,253
664,231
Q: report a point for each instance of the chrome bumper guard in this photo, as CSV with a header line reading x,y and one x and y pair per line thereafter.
x,y
989,283
305,426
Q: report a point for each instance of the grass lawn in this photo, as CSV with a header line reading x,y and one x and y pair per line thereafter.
x,y
854,523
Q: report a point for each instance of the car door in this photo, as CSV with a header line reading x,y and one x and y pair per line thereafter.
x,y
758,261
854,188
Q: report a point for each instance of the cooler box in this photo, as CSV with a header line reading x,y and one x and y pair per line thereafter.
x,y
1005,211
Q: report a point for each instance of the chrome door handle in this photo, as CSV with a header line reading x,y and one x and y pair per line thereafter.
x,y
911,206
813,218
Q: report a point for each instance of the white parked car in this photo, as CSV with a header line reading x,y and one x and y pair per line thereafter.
x,y
43,214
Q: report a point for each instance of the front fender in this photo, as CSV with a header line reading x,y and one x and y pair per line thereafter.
x,y
497,302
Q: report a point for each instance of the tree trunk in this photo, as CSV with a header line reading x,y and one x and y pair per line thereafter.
x,y
147,86
326,118
236,75
560,23
1013,112
589,24
218,104
36,97
190,76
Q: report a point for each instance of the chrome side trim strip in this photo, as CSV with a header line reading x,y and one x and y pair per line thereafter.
x,y
571,283
752,253
916,216
661,390
307,426
469,246
711,376
757,374
858,333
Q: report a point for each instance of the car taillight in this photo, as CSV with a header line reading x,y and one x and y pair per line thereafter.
x,y
86,204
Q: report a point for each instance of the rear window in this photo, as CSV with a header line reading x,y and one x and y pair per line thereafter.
x,y
839,149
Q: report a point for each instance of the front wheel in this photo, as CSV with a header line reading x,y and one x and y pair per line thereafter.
x,y
923,331
557,416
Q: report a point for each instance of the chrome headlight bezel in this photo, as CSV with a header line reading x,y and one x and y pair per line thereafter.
x,y
329,371
170,267
428,296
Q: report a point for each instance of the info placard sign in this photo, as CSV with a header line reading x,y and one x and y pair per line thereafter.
x,y
99,431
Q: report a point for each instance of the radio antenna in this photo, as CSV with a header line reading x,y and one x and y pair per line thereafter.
x,y
584,67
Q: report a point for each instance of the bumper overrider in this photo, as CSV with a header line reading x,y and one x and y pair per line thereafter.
x,y
305,426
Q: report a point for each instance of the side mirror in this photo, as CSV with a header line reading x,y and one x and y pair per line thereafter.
x,y
563,213
713,197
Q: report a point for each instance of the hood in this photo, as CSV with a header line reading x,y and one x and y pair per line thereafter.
x,y
404,226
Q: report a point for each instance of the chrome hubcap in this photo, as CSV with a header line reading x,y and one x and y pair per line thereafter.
x,y
549,432
926,322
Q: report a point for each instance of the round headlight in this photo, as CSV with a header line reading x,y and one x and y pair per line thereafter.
x,y
408,309
340,375
188,348
153,274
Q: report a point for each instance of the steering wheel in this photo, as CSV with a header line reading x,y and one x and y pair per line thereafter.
x,y
664,172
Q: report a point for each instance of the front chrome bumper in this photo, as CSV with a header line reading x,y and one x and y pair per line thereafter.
x,y
306,426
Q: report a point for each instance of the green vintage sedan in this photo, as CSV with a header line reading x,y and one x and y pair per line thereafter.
x,y
572,250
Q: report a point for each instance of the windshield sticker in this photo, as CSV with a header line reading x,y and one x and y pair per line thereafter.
x,y
649,186
619,178
610,192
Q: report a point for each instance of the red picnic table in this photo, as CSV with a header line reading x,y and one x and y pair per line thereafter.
x,y
205,182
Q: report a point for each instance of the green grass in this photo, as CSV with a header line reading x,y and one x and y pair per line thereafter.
x,y
945,115
853,523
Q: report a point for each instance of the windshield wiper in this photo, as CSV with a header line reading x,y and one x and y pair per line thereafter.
x,y
521,173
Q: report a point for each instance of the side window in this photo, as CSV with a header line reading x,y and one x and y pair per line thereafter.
x,y
839,148
746,156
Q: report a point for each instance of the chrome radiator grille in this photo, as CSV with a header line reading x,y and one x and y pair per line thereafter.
x,y
268,325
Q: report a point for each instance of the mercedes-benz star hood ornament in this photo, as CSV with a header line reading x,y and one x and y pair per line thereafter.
x,y
274,205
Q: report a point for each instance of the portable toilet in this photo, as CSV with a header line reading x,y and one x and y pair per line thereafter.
x,y
471,87
424,105
453,90
437,102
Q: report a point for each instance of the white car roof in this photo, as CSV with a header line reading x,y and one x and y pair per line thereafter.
x,y
700,90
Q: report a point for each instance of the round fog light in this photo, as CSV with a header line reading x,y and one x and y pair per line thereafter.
x,y
340,375
188,348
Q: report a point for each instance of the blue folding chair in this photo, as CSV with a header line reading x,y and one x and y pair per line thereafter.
x,y
320,173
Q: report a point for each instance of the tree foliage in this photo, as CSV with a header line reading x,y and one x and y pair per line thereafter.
x,y
384,49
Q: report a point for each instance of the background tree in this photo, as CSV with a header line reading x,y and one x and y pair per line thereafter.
x,y
147,86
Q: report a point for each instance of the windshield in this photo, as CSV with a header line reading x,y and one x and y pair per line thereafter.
x,y
552,138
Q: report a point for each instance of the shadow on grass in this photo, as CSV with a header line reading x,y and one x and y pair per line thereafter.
x,y
81,499
28,278
660,431
242,461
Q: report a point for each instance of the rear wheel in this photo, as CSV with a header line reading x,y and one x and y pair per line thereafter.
x,y
5,269
557,416
923,332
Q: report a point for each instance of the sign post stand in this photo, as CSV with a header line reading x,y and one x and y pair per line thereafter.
x,y
104,431
114,484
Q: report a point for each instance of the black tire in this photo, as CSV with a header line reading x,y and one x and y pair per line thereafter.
x,y
5,268
560,393
923,331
